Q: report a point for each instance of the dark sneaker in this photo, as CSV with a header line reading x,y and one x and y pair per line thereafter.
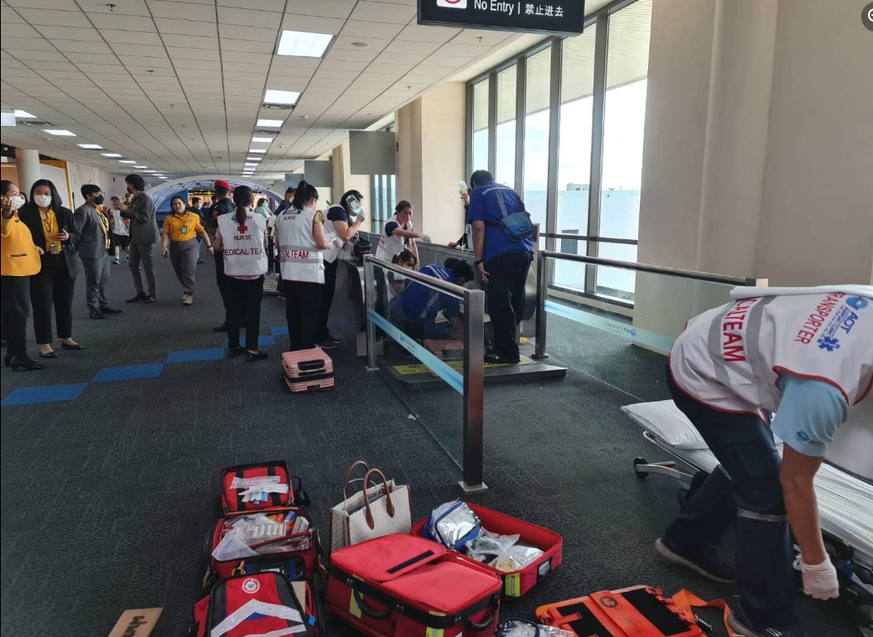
x,y
330,343
149,299
259,356
236,351
109,310
137,298
741,625
497,359
97,314
220,328
705,562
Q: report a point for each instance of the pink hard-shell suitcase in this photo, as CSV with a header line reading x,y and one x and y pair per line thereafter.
x,y
308,370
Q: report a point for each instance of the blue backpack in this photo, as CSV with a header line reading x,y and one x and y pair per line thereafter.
x,y
517,226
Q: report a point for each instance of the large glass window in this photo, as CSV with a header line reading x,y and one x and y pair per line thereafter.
x,y
507,81
536,134
480,125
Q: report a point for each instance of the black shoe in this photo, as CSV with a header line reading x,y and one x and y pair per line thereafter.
x,y
137,298
109,310
199,261
704,561
25,364
75,347
236,351
330,343
497,359
220,328
149,299
51,354
250,358
97,314
740,624
7,360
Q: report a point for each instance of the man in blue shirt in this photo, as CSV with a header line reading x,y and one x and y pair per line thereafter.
x,y
422,304
289,195
503,263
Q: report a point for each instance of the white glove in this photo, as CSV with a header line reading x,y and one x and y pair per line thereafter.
x,y
425,238
820,580
361,218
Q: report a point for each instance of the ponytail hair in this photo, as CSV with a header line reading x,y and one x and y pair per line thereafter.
x,y
242,197
401,206
305,191
405,256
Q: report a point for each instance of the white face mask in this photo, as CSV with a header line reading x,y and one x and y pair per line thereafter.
x,y
43,201
17,201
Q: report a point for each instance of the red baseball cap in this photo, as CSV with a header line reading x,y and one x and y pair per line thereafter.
x,y
220,183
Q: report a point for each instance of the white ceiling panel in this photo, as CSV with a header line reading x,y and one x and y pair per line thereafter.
x,y
132,37
402,49
322,8
363,30
310,24
345,43
54,18
59,5
383,12
121,22
248,18
419,33
191,55
185,29
180,11
230,46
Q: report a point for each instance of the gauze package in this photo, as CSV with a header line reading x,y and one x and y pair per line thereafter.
x,y
452,524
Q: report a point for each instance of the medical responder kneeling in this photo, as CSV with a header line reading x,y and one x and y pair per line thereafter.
x,y
435,314
806,353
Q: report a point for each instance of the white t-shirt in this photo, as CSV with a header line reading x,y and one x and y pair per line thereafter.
x,y
119,227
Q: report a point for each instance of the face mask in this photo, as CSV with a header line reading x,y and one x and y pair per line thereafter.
x,y
43,201
17,201
98,200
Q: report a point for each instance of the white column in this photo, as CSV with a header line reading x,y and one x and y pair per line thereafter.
x,y
28,168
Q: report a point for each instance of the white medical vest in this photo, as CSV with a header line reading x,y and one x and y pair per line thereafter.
x,y
729,358
243,246
330,233
299,257
390,247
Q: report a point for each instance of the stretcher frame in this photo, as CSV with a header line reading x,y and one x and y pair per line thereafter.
x,y
849,567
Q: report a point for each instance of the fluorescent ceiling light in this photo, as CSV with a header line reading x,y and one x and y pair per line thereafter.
x,y
257,150
254,158
270,123
19,114
150,172
262,140
91,147
126,161
59,132
140,167
286,98
111,155
302,44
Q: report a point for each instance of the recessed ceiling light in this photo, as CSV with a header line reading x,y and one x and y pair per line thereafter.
x,y
254,158
270,123
126,161
262,140
111,155
140,167
149,171
302,44
91,146
286,98
361,45
19,114
257,150
59,132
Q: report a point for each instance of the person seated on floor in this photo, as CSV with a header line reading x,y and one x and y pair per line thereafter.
x,y
397,283
434,314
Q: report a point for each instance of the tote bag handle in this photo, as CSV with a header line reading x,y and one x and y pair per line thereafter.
x,y
389,507
355,465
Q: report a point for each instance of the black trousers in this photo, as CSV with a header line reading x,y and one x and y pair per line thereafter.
x,y
221,279
328,290
303,311
244,299
52,287
15,303
507,275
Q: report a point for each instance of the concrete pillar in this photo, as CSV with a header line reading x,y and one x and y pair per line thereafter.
x,y
28,169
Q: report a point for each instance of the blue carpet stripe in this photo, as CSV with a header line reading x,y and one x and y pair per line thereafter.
x,y
44,394
128,372
280,331
192,355
263,341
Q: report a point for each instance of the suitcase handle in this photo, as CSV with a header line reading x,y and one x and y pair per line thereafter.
x,y
310,365
369,612
355,465
469,623
389,506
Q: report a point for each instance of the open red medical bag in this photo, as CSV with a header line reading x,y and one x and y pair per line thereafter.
x,y
406,586
638,611
517,583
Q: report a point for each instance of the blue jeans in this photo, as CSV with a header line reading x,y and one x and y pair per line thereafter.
x,y
752,496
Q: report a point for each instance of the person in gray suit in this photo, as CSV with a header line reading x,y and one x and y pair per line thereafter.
x,y
143,236
92,228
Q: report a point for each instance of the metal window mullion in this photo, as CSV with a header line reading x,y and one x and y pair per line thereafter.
x,y
469,150
492,123
601,43
520,118
554,140
474,391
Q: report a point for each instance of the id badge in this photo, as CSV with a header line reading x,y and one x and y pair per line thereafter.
x,y
184,230
54,248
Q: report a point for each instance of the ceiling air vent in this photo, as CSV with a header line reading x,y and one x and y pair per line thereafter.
x,y
280,107
33,122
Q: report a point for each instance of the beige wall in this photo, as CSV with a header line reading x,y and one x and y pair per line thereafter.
x,y
344,181
112,184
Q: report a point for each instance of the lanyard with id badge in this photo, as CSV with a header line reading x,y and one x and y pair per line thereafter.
x,y
54,247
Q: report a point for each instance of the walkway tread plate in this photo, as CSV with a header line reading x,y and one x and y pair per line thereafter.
x,y
417,376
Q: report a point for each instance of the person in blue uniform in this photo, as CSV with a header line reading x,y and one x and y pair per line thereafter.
x,y
423,306
502,262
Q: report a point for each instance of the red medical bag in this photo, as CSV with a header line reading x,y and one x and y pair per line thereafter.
x,y
308,370
232,499
255,605
517,583
406,586
638,611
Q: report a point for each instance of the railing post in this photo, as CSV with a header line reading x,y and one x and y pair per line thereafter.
x,y
369,295
474,391
542,292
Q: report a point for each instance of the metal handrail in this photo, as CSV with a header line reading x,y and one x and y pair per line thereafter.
x,y
585,237
417,276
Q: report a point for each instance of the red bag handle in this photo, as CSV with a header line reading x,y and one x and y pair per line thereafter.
x,y
686,600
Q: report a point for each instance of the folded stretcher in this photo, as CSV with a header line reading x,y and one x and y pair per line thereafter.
x,y
845,499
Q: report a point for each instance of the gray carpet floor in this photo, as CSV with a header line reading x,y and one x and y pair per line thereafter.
x,y
106,498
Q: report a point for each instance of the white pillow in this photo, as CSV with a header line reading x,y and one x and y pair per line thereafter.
x,y
667,423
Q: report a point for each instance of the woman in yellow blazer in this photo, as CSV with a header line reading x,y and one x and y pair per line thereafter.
x,y
179,242
19,260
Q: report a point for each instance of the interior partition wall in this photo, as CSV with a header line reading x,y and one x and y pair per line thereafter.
x,y
563,123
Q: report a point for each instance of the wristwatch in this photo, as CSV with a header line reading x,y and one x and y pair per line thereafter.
x,y
478,261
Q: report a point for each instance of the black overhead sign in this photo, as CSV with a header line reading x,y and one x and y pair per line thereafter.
x,y
563,17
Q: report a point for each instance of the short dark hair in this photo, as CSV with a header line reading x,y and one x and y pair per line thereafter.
x,y
195,199
480,178
5,186
136,181
401,206
290,190
350,193
89,189
262,200
224,192
114,198
462,270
